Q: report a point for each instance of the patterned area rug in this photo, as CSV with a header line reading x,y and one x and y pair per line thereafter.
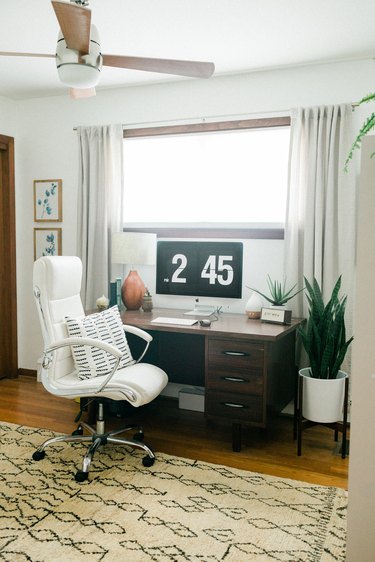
x,y
178,510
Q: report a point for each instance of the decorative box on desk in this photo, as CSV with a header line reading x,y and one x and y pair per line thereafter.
x,y
247,366
276,315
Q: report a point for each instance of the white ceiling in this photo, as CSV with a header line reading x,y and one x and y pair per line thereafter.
x,y
237,35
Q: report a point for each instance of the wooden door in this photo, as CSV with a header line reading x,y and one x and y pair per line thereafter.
x,y
8,294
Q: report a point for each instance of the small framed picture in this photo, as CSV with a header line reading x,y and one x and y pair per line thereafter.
x,y
47,242
48,200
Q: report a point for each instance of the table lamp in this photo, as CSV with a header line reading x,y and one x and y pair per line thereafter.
x,y
133,248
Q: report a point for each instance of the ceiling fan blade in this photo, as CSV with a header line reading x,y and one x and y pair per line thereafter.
x,y
12,54
79,93
75,24
195,69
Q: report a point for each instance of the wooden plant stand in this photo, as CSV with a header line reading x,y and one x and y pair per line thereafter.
x,y
300,423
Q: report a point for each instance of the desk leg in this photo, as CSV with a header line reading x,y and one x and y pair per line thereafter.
x,y
236,437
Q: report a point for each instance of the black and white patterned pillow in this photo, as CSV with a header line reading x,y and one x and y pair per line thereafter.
x,y
105,326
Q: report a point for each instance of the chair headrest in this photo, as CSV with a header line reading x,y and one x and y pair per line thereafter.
x,y
59,276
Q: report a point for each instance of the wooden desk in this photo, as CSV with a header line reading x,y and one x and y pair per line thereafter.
x,y
247,366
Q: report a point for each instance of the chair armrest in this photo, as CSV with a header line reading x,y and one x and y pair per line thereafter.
x,y
141,334
107,347
138,332
111,349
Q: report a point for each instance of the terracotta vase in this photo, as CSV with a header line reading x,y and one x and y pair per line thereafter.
x,y
133,290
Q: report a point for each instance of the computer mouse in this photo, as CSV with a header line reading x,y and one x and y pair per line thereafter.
x,y
205,322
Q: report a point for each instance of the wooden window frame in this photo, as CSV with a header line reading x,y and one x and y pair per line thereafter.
x,y
214,232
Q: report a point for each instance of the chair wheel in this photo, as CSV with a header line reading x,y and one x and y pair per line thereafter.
x,y
78,431
139,436
148,461
39,455
81,476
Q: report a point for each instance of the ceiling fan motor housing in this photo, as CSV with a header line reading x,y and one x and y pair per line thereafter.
x,y
76,70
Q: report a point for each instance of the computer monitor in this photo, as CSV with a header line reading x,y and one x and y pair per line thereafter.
x,y
200,269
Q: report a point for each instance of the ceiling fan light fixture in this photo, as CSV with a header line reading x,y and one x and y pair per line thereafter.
x,y
79,59
78,75
77,70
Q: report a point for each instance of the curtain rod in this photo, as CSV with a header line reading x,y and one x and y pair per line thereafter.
x,y
212,118
193,120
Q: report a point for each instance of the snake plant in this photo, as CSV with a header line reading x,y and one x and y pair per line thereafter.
x,y
279,295
324,337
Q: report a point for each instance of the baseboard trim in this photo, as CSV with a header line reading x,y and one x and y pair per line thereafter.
x,y
27,373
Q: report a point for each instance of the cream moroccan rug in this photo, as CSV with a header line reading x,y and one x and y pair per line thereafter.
x,y
178,510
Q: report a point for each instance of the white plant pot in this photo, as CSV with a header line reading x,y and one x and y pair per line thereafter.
x,y
323,399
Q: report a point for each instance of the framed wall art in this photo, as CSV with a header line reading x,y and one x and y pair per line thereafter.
x,y
47,242
47,200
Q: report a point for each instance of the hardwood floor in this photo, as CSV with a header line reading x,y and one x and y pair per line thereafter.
x,y
188,434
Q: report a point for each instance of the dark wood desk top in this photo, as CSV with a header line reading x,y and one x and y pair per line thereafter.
x,y
228,325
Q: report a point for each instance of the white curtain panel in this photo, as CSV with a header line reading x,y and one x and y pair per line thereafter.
x,y
100,205
321,208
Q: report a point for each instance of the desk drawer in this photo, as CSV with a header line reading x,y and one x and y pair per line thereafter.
x,y
236,407
235,380
235,354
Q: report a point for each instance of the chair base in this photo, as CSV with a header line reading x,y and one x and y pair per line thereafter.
x,y
98,437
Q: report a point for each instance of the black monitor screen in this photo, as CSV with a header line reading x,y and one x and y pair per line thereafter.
x,y
203,269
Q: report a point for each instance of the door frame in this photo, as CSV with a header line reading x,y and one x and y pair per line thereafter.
x,y
8,270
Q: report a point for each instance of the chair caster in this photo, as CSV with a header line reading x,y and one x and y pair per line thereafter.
x,y
39,455
148,461
81,476
78,431
139,436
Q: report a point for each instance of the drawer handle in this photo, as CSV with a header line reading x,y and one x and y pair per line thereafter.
x,y
234,379
236,353
233,405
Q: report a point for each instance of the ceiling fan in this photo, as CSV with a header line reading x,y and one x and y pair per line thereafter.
x,y
79,59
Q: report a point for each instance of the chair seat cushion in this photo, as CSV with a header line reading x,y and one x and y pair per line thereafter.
x,y
144,380
105,326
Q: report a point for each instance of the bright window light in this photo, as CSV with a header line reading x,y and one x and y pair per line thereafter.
x,y
231,178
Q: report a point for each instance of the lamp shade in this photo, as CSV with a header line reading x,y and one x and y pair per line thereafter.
x,y
134,248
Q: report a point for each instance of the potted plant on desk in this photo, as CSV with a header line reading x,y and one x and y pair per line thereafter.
x,y
323,387
278,296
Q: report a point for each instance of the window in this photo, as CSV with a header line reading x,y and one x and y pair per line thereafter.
x,y
217,176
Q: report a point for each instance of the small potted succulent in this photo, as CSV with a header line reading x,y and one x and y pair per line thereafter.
x,y
279,294
147,304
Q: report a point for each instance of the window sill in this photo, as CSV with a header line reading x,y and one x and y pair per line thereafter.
x,y
261,233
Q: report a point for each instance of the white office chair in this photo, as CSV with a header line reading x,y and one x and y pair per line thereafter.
x,y
57,285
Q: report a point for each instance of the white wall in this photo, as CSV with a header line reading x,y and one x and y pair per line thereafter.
x,y
47,148
361,515
8,117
